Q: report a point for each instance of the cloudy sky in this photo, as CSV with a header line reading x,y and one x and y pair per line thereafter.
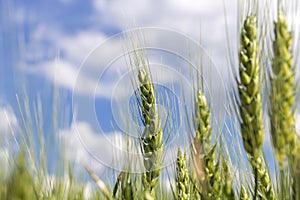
x,y
75,48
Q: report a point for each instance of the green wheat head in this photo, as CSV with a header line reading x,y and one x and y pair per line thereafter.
x,y
251,106
282,93
152,142
202,121
201,143
207,171
248,87
182,179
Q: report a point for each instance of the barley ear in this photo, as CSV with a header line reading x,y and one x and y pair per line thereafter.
x,y
182,179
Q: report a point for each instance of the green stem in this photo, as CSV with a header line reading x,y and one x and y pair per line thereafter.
x,y
256,183
282,183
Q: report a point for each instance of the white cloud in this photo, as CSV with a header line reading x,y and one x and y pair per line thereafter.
x,y
8,120
97,150
81,44
64,70
73,50
75,47
157,13
185,16
8,128
65,75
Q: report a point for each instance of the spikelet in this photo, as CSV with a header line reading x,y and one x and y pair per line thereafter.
x,y
216,182
202,120
213,174
125,186
195,189
244,195
265,187
228,187
282,95
182,179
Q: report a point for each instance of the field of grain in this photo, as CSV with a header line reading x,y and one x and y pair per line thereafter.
x,y
214,156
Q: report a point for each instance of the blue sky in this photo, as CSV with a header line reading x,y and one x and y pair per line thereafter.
x,y
45,44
